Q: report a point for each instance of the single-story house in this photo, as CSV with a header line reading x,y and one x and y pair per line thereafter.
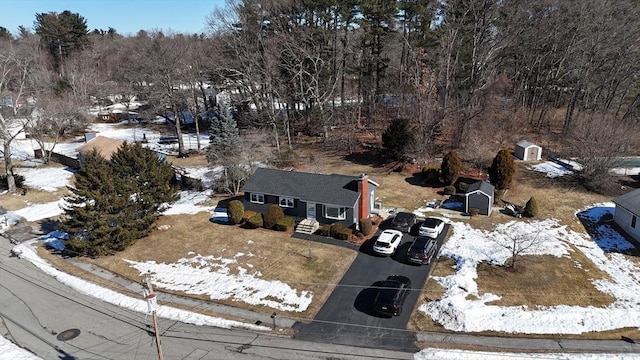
x,y
627,212
480,196
105,146
325,198
528,151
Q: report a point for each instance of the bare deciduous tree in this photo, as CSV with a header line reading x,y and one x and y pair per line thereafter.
x,y
518,243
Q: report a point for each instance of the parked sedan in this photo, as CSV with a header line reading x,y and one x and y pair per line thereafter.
x,y
391,295
387,242
403,221
422,250
431,227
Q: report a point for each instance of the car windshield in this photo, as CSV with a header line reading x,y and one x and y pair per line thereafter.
x,y
382,243
431,223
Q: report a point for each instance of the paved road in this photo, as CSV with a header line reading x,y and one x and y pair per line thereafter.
x,y
36,309
347,317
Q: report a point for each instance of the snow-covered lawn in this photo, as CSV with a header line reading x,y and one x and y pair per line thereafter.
x,y
209,275
463,308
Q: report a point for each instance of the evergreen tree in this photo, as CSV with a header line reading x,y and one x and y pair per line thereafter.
x,y
5,34
450,168
62,34
91,207
224,138
397,137
115,203
225,148
502,170
531,208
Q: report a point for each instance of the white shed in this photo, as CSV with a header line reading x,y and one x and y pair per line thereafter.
x,y
528,151
627,212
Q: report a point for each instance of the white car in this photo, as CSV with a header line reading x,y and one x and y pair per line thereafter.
x,y
431,227
387,242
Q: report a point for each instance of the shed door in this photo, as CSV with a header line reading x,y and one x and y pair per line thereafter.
x,y
311,210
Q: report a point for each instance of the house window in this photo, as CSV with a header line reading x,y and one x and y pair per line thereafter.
x,y
257,198
286,202
334,212
633,221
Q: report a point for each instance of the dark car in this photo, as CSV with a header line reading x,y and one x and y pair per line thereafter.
x,y
403,221
391,295
422,250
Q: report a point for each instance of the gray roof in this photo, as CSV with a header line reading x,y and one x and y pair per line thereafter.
x,y
483,186
629,201
525,144
332,189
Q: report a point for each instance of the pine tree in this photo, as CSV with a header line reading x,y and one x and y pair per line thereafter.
x,y
225,148
93,202
115,203
397,137
502,170
224,138
61,33
450,168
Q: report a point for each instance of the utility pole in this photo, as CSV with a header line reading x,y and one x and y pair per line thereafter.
x,y
152,304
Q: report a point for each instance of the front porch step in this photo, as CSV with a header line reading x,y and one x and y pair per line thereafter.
x,y
307,226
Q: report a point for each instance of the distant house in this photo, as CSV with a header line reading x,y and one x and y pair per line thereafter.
x,y
480,196
105,146
627,213
325,198
528,151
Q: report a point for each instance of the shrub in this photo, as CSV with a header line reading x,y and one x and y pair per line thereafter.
x,y
340,232
324,230
254,222
450,190
273,215
366,226
247,215
336,229
431,174
463,187
502,170
284,223
451,168
474,211
531,208
235,211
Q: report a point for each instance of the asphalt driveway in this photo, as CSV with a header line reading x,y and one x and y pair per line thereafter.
x,y
347,316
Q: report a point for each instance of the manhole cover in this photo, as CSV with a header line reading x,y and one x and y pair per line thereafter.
x,y
68,334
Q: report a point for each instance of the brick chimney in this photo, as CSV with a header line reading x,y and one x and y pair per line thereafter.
x,y
363,190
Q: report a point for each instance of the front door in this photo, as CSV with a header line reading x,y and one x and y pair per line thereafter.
x,y
311,210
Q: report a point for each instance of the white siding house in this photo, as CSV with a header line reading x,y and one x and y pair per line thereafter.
x,y
627,213
528,151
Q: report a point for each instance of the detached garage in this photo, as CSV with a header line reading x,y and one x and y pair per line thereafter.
x,y
528,151
479,196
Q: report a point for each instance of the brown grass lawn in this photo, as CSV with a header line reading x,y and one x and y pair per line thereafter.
x,y
304,265
12,202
